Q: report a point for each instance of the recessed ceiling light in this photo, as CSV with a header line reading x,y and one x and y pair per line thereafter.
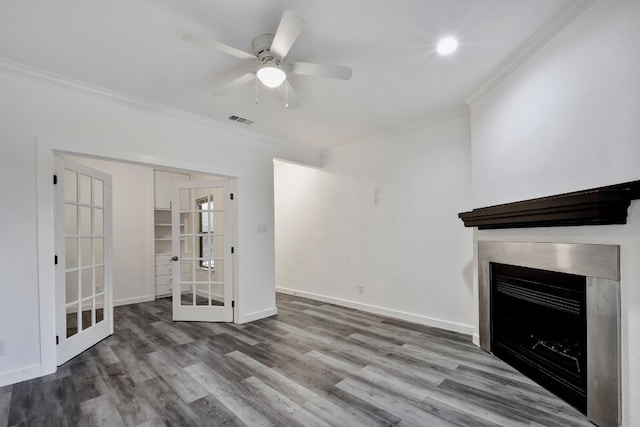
x,y
447,45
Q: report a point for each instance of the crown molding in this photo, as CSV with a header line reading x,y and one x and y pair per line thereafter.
x,y
32,73
427,122
565,15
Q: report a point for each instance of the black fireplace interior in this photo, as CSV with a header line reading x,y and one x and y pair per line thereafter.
x,y
539,326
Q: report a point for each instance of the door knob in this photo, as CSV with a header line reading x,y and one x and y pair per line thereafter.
x,y
174,258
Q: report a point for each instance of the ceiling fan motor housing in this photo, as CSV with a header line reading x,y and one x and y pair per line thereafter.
x,y
261,48
262,43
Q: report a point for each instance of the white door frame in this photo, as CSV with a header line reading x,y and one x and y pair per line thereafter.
x,y
46,150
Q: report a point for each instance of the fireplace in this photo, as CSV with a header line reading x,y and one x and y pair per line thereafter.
x,y
551,310
539,326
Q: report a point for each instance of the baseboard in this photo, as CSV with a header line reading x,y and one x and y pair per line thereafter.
x,y
395,314
258,315
133,300
476,339
22,374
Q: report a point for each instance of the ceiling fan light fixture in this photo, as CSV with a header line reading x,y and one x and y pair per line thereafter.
x,y
447,45
271,76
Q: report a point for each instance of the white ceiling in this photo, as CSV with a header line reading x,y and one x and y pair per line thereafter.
x,y
135,47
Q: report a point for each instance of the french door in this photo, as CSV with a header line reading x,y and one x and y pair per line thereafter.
x,y
202,231
84,311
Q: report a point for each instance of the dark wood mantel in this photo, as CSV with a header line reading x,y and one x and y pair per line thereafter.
x,y
597,206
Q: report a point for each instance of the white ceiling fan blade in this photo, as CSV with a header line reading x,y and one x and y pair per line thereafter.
x,y
220,47
235,83
321,70
288,31
289,95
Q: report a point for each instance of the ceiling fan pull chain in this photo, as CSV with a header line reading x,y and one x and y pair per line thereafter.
x,y
257,100
286,92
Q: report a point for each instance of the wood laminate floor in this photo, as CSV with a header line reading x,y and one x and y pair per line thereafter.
x,y
314,364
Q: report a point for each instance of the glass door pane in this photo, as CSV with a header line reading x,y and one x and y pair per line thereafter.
x,y
84,251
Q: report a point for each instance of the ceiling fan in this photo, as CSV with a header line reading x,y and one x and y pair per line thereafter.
x,y
269,62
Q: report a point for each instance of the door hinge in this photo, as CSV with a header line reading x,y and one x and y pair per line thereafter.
x,y
233,304
232,249
231,196
55,259
55,179
57,340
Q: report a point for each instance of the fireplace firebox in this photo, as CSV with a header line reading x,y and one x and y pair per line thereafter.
x,y
539,326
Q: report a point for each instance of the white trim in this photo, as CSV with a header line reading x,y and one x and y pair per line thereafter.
x,y
45,205
151,242
236,189
25,71
102,153
548,31
395,314
132,300
258,315
476,339
22,374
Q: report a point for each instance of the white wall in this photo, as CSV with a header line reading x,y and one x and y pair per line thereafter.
x,y
133,251
409,251
568,120
90,123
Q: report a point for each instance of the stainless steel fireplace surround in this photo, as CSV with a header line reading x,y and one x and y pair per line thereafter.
x,y
600,264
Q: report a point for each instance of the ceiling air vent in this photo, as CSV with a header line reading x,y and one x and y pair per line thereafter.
x,y
241,120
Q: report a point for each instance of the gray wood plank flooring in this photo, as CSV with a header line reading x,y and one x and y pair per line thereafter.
x,y
314,364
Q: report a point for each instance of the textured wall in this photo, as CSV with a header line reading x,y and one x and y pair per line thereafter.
x,y
568,119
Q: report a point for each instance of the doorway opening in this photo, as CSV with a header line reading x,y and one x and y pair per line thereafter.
x,y
134,232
